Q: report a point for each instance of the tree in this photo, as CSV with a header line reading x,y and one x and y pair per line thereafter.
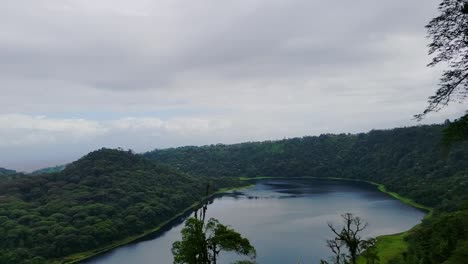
x,y
203,241
456,131
349,237
449,34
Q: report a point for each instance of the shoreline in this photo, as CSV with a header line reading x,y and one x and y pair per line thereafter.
x,y
389,245
84,256
88,255
379,186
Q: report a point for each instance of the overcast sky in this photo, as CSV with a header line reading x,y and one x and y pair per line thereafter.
x,y
77,75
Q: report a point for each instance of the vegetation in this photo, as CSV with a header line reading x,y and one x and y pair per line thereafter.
x,y
111,195
104,197
349,237
49,170
408,161
202,241
6,174
456,131
442,238
388,247
449,34
4,171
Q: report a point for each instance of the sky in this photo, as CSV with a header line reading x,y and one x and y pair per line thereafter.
x,y
78,75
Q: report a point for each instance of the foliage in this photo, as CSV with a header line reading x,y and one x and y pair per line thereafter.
x,y
49,170
456,131
388,247
106,196
408,161
203,241
449,34
4,171
110,195
6,174
349,237
442,238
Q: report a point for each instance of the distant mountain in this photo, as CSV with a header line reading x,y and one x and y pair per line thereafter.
x,y
4,171
49,170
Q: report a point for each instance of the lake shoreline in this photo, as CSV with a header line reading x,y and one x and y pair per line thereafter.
x,y
389,245
379,186
86,256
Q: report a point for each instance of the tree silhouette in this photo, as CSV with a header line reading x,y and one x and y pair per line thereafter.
x,y
449,34
349,238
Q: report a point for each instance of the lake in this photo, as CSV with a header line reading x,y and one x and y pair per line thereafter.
x,y
286,221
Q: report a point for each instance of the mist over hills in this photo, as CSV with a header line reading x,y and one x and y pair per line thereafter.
x,y
110,195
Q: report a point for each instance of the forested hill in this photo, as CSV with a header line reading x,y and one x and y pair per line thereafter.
x,y
103,197
409,160
49,170
4,171
6,174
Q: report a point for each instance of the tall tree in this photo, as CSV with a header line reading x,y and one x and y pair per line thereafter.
x,y
203,241
449,34
349,238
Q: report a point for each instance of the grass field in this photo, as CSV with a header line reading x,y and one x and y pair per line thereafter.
x,y
388,247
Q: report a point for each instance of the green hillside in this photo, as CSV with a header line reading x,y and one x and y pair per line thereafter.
x,y
111,197
4,171
104,197
410,162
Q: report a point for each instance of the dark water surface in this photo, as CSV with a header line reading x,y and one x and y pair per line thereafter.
x,y
286,221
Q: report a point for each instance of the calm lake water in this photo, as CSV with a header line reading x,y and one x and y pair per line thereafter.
x,y
286,221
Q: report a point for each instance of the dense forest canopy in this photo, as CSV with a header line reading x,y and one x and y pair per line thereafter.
x,y
103,197
109,195
439,239
4,171
410,161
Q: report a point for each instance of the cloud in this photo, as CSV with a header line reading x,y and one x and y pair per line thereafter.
x,y
76,75
16,129
148,45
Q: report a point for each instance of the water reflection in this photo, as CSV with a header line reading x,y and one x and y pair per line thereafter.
x,y
284,219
